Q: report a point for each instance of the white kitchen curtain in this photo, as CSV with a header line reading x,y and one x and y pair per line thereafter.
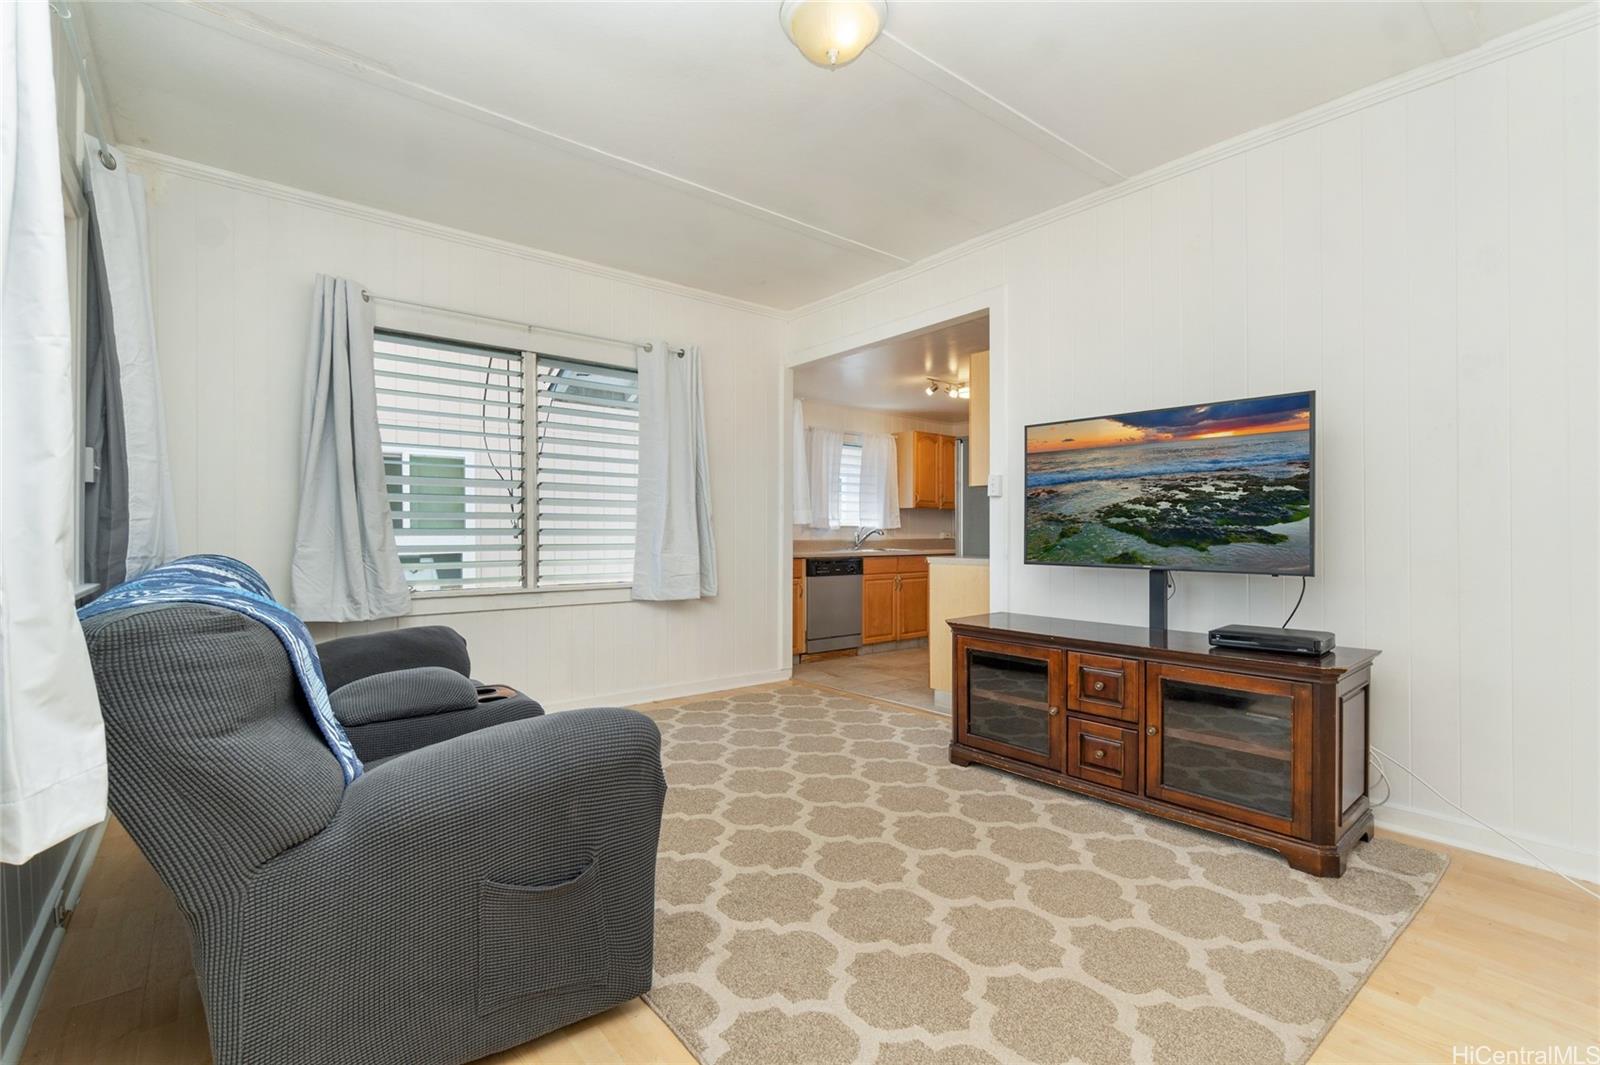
x,y
52,742
802,483
823,452
675,552
346,566
130,523
880,482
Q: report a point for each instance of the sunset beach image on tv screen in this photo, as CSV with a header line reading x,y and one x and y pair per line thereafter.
x,y
1216,486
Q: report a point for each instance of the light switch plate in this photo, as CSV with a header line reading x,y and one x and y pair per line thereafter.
x,y
996,484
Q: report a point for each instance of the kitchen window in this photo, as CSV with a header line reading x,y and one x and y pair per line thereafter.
x,y
850,483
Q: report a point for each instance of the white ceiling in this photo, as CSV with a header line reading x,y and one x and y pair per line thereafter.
x,y
893,375
691,142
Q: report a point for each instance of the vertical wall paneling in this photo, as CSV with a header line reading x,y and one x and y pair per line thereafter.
x,y
1432,407
1483,375
1386,426
1427,262
1541,485
233,262
1582,118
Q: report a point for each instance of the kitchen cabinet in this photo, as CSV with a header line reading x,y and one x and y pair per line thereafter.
x,y
894,599
978,421
927,468
878,592
798,606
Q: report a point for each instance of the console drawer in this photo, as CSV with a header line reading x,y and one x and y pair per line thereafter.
x,y
1103,754
1104,686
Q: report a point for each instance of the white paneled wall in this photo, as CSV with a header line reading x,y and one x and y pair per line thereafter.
x,y
233,263
1427,261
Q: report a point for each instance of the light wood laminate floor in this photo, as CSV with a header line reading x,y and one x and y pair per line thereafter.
x,y
1501,956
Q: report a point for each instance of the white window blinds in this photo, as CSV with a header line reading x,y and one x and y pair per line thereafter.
x,y
850,483
587,472
451,419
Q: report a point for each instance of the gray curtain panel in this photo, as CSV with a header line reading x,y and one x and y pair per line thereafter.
x,y
129,519
105,499
346,567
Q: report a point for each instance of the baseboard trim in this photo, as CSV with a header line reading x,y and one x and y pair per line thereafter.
x,y
669,691
44,943
1458,832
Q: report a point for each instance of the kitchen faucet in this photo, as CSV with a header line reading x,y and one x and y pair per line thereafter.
x,y
861,537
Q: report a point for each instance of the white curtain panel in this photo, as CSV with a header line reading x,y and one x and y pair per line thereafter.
x,y
52,742
822,470
802,483
346,566
128,335
675,552
880,482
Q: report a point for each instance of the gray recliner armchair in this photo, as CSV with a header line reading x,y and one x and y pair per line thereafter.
x,y
458,898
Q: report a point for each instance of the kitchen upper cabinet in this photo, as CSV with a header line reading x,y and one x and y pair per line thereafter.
x,y
927,464
978,421
945,486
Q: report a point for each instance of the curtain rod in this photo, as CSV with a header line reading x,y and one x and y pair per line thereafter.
x,y
96,119
529,326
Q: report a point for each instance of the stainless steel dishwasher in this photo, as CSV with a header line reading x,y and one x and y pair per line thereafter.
x,y
833,604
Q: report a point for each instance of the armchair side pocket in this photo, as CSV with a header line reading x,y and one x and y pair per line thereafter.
x,y
540,939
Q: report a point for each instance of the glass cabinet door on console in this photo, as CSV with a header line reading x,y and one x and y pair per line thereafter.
x,y
1007,701
1229,744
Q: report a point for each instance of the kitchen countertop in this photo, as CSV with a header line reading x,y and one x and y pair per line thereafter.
x,y
870,552
959,561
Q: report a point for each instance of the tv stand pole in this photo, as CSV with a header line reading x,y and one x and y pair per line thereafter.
x,y
1158,605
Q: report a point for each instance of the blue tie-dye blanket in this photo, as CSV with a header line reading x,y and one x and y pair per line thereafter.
x,y
220,581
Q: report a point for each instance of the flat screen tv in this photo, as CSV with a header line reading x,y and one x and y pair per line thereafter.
x,y
1225,487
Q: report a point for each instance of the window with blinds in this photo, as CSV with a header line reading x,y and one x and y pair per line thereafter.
x,y
586,473
850,483
450,417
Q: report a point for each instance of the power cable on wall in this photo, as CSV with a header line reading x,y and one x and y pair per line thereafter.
x,y
1379,757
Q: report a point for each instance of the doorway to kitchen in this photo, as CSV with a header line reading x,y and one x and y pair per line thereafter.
x,y
889,485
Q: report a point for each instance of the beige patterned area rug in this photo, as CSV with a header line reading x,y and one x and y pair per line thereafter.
x,y
832,890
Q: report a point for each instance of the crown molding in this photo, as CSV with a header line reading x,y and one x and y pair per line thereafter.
x,y
1540,33
146,159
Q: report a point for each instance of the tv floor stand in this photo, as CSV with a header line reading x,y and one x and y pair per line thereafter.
x,y
1160,589
1270,749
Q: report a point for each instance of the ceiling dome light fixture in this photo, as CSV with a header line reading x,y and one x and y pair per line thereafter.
x,y
832,33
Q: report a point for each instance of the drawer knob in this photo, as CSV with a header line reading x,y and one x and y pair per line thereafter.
x,y
1151,731
1099,685
1054,710
1100,753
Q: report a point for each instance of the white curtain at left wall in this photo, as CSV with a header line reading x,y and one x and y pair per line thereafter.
x,y
675,550
52,742
800,478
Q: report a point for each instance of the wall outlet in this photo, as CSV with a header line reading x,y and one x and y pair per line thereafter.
x,y
996,485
